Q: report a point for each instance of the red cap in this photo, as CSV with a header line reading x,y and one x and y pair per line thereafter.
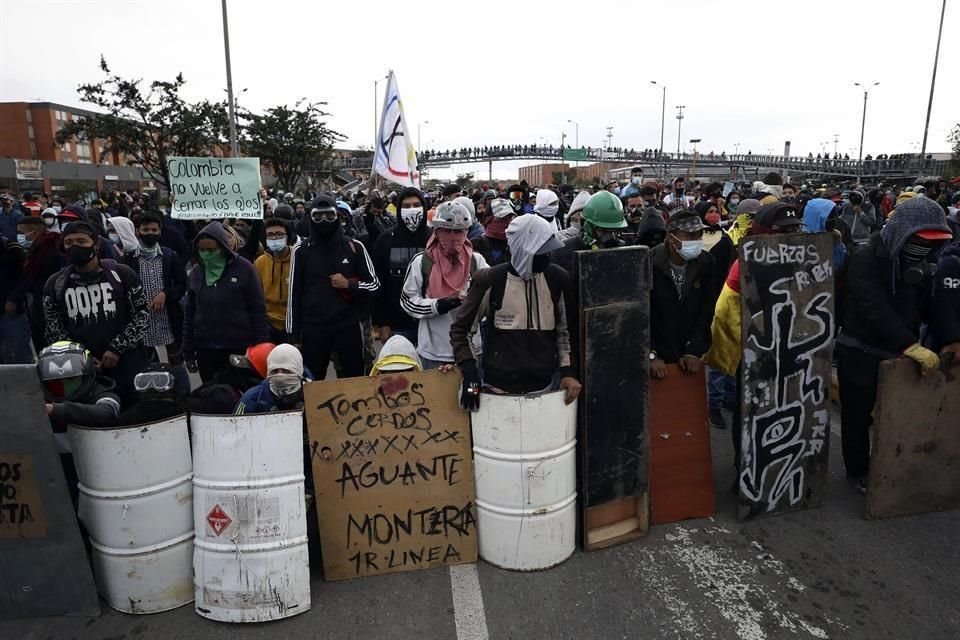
x,y
934,234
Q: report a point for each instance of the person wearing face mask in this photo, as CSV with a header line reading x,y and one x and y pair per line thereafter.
x,y
282,389
223,309
574,218
678,195
493,245
49,217
121,233
100,304
602,221
889,286
859,216
636,183
682,297
525,303
547,206
392,253
437,281
41,259
331,279
273,267
518,196
164,278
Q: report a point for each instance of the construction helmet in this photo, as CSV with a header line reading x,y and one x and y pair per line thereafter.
x,y
452,215
67,371
255,358
604,210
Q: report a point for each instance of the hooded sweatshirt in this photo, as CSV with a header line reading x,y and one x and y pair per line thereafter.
x,y
945,327
228,314
392,253
881,310
815,216
397,354
274,275
123,227
861,225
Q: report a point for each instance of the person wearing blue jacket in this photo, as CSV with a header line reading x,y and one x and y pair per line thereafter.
x,y
223,310
282,389
821,214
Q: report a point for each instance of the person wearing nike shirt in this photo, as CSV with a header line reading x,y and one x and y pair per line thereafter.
x,y
331,279
392,253
100,304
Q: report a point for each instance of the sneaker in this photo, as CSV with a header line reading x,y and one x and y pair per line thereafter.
x,y
716,420
859,483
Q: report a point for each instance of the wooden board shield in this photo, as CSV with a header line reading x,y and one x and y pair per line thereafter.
x,y
681,469
43,567
787,316
915,459
614,332
392,472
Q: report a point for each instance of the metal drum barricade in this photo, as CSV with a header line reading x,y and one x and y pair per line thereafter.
x,y
136,502
525,468
251,562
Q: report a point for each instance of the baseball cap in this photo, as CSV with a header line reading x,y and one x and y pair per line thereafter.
x,y
778,214
686,221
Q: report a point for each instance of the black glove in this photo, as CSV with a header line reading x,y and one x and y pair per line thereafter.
x,y
470,387
445,305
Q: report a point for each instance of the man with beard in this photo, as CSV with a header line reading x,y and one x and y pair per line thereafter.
x,y
392,253
331,277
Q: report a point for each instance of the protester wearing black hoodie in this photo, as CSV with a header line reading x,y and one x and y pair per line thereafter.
x,y
888,294
331,279
223,311
392,253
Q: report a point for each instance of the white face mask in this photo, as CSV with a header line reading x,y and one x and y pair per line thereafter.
x,y
690,249
635,181
549,210
285,384
411,217
114,238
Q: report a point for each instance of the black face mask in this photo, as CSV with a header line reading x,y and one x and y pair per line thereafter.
x,y
149,239
609,240
80,256
325,228
914,273
541,262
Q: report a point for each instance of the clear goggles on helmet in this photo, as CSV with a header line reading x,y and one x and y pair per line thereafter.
x,y
153,380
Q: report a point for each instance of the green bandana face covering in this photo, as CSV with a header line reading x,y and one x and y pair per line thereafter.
x,y
214,262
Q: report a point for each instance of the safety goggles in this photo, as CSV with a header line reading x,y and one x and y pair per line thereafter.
x,y
323,214
155,380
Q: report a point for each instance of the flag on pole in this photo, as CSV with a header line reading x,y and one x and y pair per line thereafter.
x,y
395,158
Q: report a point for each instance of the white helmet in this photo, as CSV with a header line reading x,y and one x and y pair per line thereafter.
x,y
451,215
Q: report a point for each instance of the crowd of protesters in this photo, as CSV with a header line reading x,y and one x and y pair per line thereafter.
x,y
119,303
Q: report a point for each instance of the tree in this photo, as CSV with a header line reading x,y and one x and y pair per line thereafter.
x,y
291,140
464,180
148,126
954,140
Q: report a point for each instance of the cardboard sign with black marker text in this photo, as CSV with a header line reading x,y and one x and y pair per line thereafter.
x,y
393,473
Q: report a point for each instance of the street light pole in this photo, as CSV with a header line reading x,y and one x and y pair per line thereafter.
x,y
680,109
663,112
863,126
576,140
933,82
420,124
234,150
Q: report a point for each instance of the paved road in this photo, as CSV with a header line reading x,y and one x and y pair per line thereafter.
x,y
824,573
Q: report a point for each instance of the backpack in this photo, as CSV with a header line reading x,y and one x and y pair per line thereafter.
x,y
426,264
498,286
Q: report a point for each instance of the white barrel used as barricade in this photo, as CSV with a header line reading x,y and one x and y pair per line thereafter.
x,y
251,562
526,471
136,502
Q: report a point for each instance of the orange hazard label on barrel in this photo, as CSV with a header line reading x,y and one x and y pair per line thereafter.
x,y
218,520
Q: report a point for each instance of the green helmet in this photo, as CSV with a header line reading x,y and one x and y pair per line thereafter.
x,y
604,210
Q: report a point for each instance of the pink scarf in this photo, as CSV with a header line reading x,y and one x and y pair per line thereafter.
x,y
449,274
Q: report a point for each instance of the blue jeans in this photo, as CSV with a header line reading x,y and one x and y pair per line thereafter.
x,y
16,346
721,390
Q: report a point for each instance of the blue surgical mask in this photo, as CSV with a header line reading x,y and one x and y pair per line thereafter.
x,y
22,241
276,244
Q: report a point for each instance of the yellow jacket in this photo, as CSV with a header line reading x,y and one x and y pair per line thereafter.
x,y
725,345
275,276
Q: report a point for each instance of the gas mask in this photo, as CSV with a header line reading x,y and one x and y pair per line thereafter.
x,y
913,262
609,239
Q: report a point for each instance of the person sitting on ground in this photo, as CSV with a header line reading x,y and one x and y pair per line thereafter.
x,y
282,388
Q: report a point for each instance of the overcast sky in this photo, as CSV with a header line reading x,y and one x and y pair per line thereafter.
x,y
754,72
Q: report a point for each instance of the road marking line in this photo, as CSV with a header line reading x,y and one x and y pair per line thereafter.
x,y
468,610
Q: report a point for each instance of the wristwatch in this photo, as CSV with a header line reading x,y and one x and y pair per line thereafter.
x,y
653,356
